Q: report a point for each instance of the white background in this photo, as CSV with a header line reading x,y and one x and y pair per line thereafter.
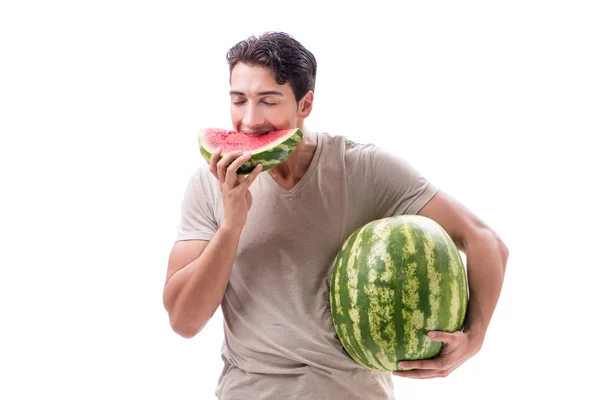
x,y
498,103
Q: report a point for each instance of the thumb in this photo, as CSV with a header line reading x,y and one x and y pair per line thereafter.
x,y
249,198
439,336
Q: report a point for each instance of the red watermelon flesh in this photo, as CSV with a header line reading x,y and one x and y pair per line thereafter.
x,y
269,149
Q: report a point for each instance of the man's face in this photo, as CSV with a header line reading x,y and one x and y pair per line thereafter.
x,y
259,104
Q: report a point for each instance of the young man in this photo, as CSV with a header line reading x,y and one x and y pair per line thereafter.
x,y
262,247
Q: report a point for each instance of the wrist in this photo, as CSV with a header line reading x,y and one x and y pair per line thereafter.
x,y
231,228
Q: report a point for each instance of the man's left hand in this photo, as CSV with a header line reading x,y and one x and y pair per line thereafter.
x,y
458,348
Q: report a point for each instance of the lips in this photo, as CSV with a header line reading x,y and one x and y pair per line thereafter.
x,y
255,133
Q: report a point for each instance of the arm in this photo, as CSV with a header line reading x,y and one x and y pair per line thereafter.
x,y
198,270
487,256
197,276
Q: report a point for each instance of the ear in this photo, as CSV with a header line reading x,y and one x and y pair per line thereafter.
x,y
305,105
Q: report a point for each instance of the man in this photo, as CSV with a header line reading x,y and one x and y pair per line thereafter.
x,y
262,246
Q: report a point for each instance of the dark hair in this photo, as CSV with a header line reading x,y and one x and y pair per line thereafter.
x,y
283,54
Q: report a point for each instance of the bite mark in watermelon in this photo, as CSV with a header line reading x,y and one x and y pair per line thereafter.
x,y
269,149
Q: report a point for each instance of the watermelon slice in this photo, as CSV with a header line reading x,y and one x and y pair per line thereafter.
x,y
269,149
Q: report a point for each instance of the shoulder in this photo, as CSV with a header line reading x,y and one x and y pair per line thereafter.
x,y
362,158
200,175
345,142
362,152
201,183
350,150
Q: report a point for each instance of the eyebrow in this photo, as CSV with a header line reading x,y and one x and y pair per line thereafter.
x,y
263,93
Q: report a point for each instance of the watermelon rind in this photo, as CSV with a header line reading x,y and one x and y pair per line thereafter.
x,y
269,156
392,281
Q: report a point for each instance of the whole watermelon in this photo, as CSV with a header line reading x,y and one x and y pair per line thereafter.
x,y
394,280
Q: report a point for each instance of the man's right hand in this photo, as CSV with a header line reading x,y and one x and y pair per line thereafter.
x,y
237,199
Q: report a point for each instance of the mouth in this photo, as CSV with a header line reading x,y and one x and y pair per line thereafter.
x,y
255,133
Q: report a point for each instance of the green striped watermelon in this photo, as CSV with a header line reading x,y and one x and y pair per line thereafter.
x,y
394,280
269,149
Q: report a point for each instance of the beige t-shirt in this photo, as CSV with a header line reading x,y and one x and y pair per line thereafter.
x,y
279,341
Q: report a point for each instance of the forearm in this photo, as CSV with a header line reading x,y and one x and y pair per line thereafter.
x,y
486,263
194,293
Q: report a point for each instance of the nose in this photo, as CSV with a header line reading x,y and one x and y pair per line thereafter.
x,y
253,117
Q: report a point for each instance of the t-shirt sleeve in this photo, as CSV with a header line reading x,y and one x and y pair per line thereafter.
x,y
197,211
398,187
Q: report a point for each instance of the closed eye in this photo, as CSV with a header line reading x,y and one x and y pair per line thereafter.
x,y
240,102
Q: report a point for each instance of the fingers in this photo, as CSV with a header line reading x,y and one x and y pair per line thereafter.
x,y
435,363
225,169
428,369
444,337
220,166
451,356
423,374
231,177
422,369
214,158
245,184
